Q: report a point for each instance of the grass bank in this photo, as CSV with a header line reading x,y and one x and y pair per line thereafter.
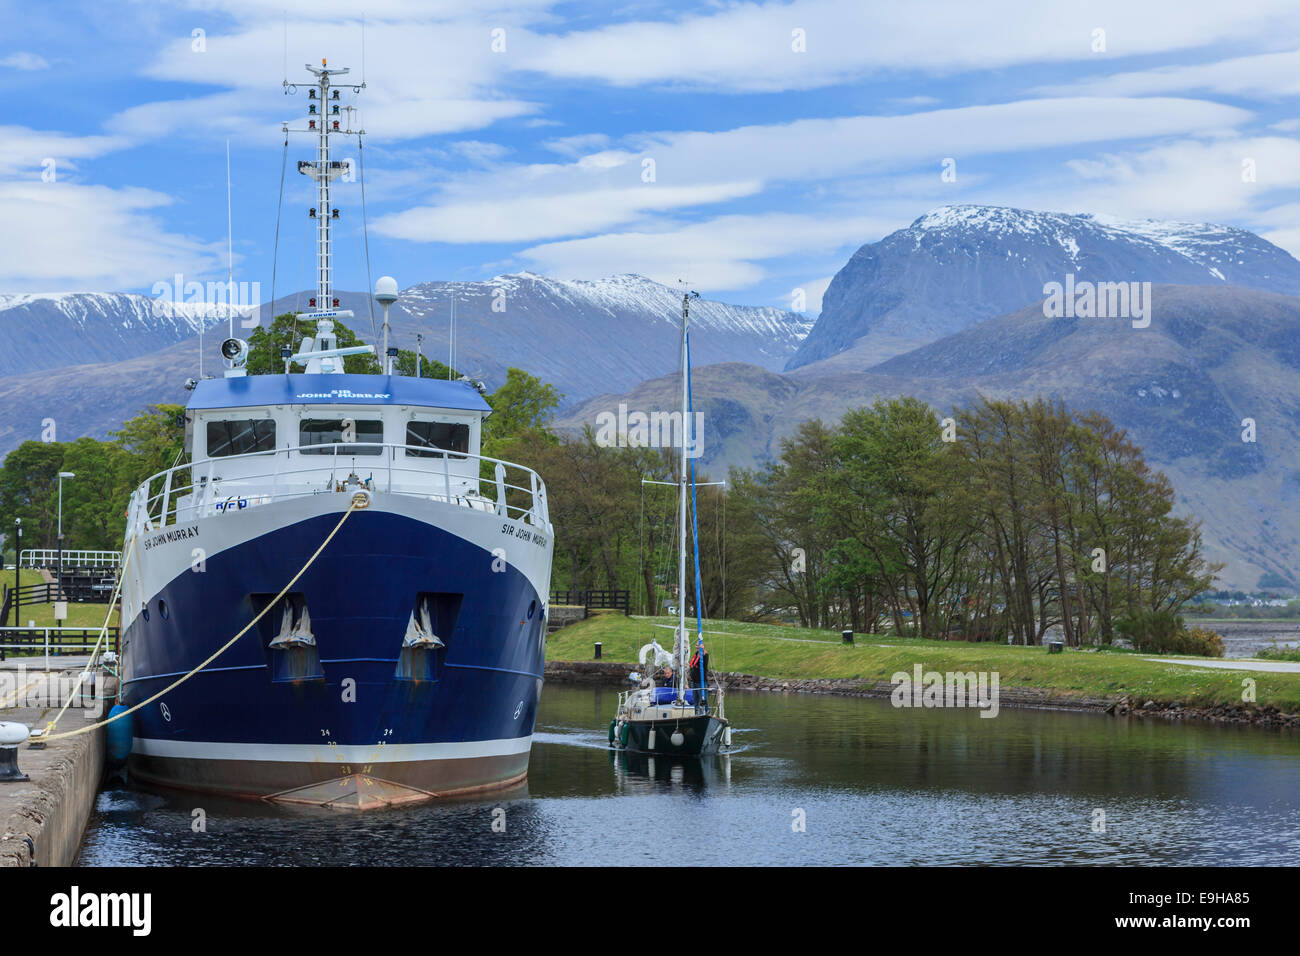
x,y
79,615
798,653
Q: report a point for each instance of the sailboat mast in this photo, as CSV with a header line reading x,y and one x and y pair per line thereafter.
x,y
681,540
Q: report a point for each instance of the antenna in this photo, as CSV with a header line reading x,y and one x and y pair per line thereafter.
x,y
230,250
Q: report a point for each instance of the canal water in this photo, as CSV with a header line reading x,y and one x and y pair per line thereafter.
x,y
816,780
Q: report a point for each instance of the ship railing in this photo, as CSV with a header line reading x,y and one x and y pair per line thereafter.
x,y
212,486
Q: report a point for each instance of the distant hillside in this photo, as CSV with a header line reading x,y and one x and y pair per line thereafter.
x,y
585,337
1212,357
962,264
90,361
74,328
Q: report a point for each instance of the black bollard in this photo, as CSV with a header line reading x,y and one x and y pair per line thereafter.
x,y
847,636
598,650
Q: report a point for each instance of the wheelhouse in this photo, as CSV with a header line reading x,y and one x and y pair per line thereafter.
x,y
254,439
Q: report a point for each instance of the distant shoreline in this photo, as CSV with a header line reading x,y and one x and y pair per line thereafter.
x,y
614,674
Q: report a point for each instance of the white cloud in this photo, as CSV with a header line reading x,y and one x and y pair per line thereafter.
x,y
91,238
422,78
24,150
525,218
1266,76
813,290
721,253
823,148
602,190
749,46
1191,179
23,60
574,146
374,10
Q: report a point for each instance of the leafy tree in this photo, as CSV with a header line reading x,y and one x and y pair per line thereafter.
x,y
429,368
523,405
154,439
94,503
895,486
29,490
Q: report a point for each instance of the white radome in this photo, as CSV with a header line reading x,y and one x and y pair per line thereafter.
x,y
386,290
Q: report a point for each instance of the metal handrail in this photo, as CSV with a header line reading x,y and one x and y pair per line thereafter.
x,y
39,557
212,494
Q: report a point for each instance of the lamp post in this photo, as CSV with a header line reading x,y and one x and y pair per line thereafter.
x,y
18,545
59,588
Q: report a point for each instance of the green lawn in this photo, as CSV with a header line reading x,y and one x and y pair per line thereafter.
x,y
788,652
79,615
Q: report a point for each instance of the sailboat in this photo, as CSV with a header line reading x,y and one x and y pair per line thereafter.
x,y
674,711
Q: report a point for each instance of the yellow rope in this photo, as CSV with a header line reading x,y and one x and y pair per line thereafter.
x,y
103,632
230,643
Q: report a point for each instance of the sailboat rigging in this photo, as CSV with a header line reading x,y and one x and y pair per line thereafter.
x,y
672,711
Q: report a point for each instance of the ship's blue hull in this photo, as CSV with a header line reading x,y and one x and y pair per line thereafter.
x,y
241,726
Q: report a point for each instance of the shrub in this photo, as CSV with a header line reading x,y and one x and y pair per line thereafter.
x,y
1202,641
1152,632
1162,632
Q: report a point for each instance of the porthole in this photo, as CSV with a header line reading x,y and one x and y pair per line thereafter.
x,y
144,611
162,609
532,609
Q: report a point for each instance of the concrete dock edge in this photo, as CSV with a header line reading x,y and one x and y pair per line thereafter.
x,y
42,821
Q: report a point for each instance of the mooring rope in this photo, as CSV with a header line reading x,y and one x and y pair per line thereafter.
x,y
358,501
103,633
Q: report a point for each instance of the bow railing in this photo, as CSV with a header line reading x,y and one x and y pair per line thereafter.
x,y
213,486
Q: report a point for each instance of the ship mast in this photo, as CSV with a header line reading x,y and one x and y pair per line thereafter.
x,y
325,116
322,118
685,431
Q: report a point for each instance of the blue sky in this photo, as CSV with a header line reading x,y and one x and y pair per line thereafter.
x,y
772,163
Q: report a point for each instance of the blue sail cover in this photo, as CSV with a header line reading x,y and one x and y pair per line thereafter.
x,y
666,695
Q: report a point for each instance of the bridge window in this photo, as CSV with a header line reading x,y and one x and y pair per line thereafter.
x,y
446,436
241,436
329,431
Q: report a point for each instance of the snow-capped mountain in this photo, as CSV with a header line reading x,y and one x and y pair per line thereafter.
x,y
584,336
53,330
94,360
962,264
1180,388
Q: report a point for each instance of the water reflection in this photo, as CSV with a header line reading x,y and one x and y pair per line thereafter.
x,y
646,774
873,784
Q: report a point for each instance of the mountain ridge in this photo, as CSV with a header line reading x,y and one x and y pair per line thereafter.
x,y
960,264
1181,388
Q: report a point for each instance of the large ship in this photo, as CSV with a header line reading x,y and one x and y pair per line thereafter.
x,y
342,600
